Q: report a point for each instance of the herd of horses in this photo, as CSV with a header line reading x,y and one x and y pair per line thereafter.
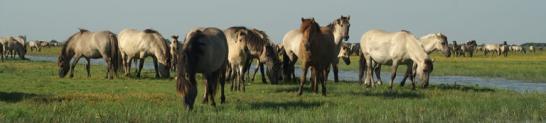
x,y
227,55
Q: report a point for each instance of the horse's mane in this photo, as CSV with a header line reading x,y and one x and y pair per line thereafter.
x,y
150,31
307,24
442,36
190,48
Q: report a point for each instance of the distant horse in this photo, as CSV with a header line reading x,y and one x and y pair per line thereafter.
x,y
204,51
292,39
134,44
14,45
518,49
504,48
456,49
238,56
532,49
494,49
469,48
90,45
174,47
34,46
317,51
394,48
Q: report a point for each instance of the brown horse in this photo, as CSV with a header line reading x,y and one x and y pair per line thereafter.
x,y
316,52
90,45
204,51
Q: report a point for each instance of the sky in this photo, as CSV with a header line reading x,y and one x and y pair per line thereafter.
x,y
487,21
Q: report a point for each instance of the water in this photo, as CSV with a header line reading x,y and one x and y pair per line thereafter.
x,y
517,85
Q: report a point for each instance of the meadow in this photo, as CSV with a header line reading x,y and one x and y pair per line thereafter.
x,y
31,91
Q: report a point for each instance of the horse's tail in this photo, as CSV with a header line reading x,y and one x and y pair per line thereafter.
x,y
115,53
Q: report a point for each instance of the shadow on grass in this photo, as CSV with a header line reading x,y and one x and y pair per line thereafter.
x,y
285,105
391,94
462,88
13,97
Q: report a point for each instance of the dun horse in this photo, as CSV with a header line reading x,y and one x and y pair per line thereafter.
x,y
291,42
238,56
204,51
316,52
89,45
380,47
134,44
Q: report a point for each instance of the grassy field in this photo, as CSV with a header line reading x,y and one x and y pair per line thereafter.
x,y
31,92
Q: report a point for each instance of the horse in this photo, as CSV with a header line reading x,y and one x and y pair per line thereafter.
x,y
34,46
491,48
532,49
204,51
430,43
380,47
174,47
518,49
89,45
469,48
14,45
456,49
259,47
292,39
317,51
238,56
504,48
135,44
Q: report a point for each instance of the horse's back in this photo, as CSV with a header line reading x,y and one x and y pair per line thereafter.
x,y
291,42
384,46
215,50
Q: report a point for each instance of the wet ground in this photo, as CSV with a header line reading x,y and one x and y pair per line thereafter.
x,y
517,85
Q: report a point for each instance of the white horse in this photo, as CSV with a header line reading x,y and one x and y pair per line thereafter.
x,y
430,43
292,39
394,48
174,47
518,49
492,48
34,46
532,49
134,44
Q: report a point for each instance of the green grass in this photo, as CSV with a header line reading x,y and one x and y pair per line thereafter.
x,y
31,92
530,67
45,51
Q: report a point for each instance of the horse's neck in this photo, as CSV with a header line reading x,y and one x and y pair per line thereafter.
x,y
337,34
428,45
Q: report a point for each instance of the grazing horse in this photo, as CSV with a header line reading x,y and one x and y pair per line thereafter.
x,y
174,47
204,51
430,43
316,52
380,47
34,46
292,40
518,49
532,49
90,45
238,56
13,45
134,44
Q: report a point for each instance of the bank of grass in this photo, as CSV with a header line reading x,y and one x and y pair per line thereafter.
x,y
530,67
45,51
31,92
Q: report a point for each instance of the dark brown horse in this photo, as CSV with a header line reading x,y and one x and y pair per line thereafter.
x,y
204,51
316,52
90,45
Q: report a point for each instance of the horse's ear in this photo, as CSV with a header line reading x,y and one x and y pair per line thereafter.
x,y
175,36
302,19
313,19
349,17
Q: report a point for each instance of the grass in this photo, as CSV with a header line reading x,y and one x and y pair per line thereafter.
x,y
530,67
45,51
31,92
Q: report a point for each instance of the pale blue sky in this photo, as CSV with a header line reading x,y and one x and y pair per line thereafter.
x,y
516,21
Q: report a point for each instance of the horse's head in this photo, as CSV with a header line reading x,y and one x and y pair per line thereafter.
x,y
424,69
438,42
344,54
341,26
269,56
64,65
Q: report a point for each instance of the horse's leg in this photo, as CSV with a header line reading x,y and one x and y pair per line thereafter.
x,y
303,77
207,88
189,99
377,70
140,65
323,75
155,68
88,67
313,80
264,79
242,80
369,78
406,75
336,77
76,59
211,85
394,67
255,71
362,69
222,84
128,64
